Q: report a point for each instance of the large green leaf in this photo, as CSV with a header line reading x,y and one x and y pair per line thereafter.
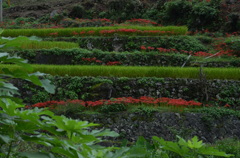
x,y
46,84
5,138
106,132
212,151
35,38
194,143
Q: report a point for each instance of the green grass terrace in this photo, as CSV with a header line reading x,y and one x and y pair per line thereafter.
x,y
99,31
134,71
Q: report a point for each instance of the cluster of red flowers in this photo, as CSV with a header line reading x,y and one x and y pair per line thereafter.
x,y
200,53
113,63
54,34
123,100
124,31
93,20
143,22
223,48
94,60
206,31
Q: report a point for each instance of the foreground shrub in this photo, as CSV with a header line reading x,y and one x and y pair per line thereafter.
x,y
191,148
230,145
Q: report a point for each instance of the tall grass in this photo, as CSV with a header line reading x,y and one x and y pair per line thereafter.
x,y
66,32
31,44
135,71
48,45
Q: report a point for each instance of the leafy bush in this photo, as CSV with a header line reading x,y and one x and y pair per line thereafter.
x,y
226,96
145,110
229,145
112,108
205,16
197,14
68,109
235,46
233,23
78,11
176,12
190,148
188,43
121,10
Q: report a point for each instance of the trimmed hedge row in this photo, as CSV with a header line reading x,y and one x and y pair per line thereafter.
x,y
99,31
98,57
126,43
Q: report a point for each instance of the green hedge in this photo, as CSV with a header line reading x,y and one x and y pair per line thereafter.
x,y
79,56
135,58
134,71
188,43
68,32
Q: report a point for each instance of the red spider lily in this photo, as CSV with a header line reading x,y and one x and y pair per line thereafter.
x,y
107,32
82,32
227,105
53,34
200,53
89,59
98,61
123,100
91,32
150,48
74,33
113,63
141,21
143,48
